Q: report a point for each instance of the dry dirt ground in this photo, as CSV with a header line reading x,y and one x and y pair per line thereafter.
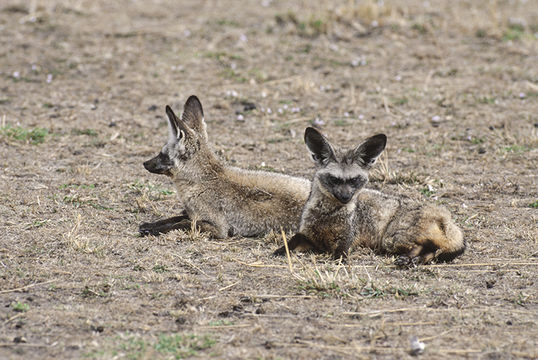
x,y
83,85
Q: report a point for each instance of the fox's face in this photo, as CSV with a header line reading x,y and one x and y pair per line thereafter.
x,y
342,174
185,137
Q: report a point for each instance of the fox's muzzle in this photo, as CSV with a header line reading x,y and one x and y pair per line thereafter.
x,y
343,193
160,164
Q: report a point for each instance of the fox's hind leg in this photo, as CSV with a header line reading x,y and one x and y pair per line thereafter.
x,y
166,225
432,235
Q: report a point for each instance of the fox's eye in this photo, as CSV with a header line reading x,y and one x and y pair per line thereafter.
x,y
333,180
356,181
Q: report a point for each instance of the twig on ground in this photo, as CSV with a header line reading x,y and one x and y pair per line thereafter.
x,y
26,287
287,249
229,286
257,264
13,318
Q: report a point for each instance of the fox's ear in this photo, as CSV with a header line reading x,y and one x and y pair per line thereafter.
x,y
193,115
320,148
367,153
175,131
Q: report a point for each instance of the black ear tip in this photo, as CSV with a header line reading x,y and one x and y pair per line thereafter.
x,y
194,104
170,112
382,138
310,131
193,100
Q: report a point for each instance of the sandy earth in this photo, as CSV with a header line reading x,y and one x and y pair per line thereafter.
x,y
83,85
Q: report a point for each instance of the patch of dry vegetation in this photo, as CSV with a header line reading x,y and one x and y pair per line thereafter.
x,y
83,86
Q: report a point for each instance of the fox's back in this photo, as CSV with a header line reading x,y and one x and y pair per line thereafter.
x,y
262,201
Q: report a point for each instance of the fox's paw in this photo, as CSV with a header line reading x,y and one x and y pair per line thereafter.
x,y
406,262
280,251
146,229
419,254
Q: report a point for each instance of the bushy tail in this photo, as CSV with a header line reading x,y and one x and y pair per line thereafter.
x,y
446,237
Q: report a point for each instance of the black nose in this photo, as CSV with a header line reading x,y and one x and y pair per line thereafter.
x,y
344,198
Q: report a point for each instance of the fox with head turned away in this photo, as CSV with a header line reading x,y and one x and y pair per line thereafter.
x,y
224,200
341,213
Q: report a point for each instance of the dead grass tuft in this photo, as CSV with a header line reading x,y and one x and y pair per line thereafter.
x,y
78,242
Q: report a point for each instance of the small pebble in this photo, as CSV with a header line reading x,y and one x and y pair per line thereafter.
x,y
417,347
247,106
19,339
318,122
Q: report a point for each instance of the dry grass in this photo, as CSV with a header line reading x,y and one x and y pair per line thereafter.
x,y
453,84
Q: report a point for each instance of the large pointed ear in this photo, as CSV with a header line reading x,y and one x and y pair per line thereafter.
x,y
175,131
193,114
320,148
367,153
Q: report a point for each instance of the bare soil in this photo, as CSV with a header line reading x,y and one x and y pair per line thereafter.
x,y
83,85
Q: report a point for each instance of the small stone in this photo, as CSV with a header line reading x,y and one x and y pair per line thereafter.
x,y
318,122
417,347
152,108
247,105
98,328
19,339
